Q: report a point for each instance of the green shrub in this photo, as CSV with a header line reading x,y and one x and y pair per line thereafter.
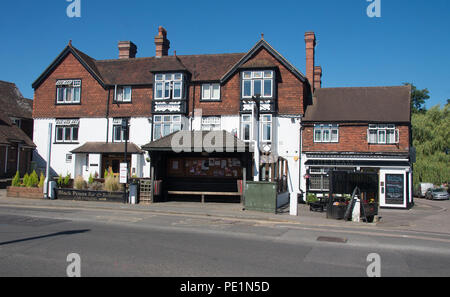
x,y
106,173
91,179
16,180
67,180
112,184
33,181
79,183
60,181
26,180
41,180
311,198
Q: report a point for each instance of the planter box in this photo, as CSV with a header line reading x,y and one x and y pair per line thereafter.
x,y
86,195
20,192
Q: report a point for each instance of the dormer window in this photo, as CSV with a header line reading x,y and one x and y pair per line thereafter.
x,y
211,92
257,83
68,91
169,86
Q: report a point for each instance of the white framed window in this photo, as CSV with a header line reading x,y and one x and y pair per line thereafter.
x,y
165,125
119,135
266,128
265,132
68,91
319,179
256,83
246,127
123,94
382,134
211,123
66,133
169,86
211,92
69,158
326,133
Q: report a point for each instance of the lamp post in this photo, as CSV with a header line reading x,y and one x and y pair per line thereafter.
x,y
125,136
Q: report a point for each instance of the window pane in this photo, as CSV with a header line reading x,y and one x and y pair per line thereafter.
x,y
390,137
318,135
60,94
268,74
177,90
247,75
157,131
166,129
176,118
159,90
75,133
257,74
246,118
381,136
157,119
167,90
159,77
246,131
373,136
176,127
247,88
167,119
127,94
77,95
257,87
117,133
267,132
59,133
267,88
119,96
215,91
69,93
178,76
334,135
206,92
67,134
326,135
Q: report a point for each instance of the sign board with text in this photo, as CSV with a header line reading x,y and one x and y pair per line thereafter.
x,y
123,173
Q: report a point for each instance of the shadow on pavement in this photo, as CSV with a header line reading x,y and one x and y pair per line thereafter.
x,y
73,232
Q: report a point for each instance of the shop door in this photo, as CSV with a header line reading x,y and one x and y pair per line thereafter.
x,y
393,188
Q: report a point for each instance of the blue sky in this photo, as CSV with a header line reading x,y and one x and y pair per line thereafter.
x,y
409,43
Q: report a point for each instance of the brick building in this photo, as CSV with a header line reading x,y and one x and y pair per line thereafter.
x,y
360,129
86,99
16,131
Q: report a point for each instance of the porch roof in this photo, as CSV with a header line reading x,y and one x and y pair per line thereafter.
x,y
107,148
207,137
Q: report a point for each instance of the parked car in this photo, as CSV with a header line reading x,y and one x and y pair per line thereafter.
x,y
437,194
423,188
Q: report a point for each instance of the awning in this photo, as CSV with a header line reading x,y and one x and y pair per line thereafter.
x,y
107,148
198,141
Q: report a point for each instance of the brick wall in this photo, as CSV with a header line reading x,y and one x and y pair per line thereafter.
x,y
353,138
93,96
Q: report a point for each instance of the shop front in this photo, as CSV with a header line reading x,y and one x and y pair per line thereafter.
x,y
394,175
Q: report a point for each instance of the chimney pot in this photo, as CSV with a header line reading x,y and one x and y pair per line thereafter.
x,y
310,40
127,50
317,77
162,43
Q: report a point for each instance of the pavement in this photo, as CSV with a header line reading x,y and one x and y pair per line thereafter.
x,y
426,216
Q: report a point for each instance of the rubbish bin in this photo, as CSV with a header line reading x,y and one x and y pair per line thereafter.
x,y
336,209
133,192
51,190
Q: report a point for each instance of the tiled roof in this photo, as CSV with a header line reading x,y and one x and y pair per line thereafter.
x,y
107,148
12,102
361,104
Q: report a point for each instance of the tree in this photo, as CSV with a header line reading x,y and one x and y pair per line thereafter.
x,y
418,98
431,138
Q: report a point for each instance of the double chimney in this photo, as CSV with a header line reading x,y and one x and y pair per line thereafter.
x,y
313,73
128,50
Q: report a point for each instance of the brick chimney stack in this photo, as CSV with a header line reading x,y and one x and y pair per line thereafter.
x,y
310,40
127,50
317,77
162,43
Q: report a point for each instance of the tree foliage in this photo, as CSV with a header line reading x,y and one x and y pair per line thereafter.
x,y
431,138
418,98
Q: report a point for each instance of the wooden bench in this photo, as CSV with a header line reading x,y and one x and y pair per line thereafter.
x,y
203,194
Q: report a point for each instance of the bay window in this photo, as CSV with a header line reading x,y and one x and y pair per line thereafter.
x,y
319,179
257,83
169,86
165,125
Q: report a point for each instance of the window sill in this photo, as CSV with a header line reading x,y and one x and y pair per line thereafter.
x,y
122,102
67,104
210,100
71,143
